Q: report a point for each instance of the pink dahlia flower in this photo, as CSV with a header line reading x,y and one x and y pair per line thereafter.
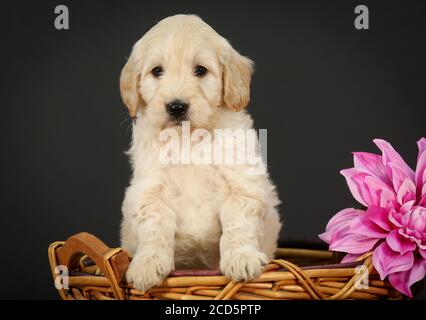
x,y
393,225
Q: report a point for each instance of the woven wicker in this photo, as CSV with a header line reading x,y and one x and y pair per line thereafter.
x,y
98,272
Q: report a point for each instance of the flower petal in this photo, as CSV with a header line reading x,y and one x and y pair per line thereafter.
x,y
420,176
379,216
406,192
390,155
417,219
397,219
350,258
341,221
399,243
355,189
406,207
351,243
402,281
386,261
422,201
422,145
372,164
398,175
381,194
367,189
364,226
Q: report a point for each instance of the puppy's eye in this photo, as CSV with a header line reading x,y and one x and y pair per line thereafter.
x,y
200,71
157,71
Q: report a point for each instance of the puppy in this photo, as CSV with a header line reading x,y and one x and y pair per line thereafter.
x,y
191,216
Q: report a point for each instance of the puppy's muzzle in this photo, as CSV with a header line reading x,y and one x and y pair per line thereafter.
x,y
177,109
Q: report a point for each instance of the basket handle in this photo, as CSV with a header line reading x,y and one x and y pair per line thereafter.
x,y
112,262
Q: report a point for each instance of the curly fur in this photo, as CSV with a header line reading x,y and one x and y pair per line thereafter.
x,y
192,216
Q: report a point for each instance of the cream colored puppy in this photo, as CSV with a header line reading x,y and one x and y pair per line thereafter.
x,y
188,215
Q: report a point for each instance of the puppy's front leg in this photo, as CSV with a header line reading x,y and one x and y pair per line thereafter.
x,y
155,225
242,229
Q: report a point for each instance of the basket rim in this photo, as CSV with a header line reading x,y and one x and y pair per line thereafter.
x,y
340,278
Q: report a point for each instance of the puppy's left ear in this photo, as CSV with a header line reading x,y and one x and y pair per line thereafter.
x,y
129,86
237,72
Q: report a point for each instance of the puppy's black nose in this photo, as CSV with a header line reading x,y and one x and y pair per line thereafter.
x,y
177,109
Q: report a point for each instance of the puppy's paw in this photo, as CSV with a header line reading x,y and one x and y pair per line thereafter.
x,y
243,264
148,271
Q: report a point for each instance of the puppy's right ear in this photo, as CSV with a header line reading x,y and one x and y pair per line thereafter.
x,y
129,85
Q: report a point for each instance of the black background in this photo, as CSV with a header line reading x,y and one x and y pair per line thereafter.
x,y
322,89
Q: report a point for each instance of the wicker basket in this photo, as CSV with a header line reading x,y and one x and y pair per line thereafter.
x,y
98,272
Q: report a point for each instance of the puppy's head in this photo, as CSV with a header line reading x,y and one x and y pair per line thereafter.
x,y
182,69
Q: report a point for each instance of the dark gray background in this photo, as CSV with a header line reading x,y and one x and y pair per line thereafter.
x,y
321,88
